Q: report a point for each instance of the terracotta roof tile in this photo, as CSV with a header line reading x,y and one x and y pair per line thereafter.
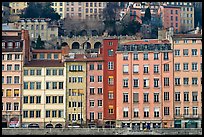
x,y
44,63
147,42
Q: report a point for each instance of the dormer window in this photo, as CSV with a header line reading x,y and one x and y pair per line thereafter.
x,y
3,45
10,44
17,45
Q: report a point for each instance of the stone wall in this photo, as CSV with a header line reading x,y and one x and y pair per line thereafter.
x,y
100,131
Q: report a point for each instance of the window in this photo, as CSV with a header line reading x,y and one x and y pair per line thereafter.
x,y
91,115
156,97
48,56
54,72
166,67
47,113
136,82
185,52
9,56
166,111
110,81
177,81
200,52
60,113
32,85
185,66
135,68
2,79
79,104
186,96
146,83
25,85
177,111
125,68
16,106
125,112
99,67
42,56
25,114
110,52
60,99
17,56
177,96
146,68
100,78
125,56
38,99
194,96
135,97
55,56
34,56
92,91
156,82
9,67
156,56
99,115
54,113
54,85
194,66
17,67
54,99
156,112
156,68
16,92
177,66
166,95
135,56
110,95
194,81
110,111
171,11
32,72
125,82
194,52
166,55
195,110
100,91
10,44
38,113
32,99
91,78
38,72
146,112
61,72
48,99
9,79
186,110
91,102
110,66
145,56
60,85
136,112
91,67
2,67
99,103
177,52
166,81
146,95
8,106
185,81
185,41
125,97
16,79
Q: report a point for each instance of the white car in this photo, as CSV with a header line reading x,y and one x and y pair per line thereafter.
x,y
14,124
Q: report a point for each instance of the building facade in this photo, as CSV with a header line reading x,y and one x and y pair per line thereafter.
x,y
144,84
17,7
14,44
43,94
59,8
187,80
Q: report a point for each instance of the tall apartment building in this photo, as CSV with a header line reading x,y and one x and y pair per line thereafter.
x,y
17,7
171,17
94,90
187,14
14,45
187,80
109,48
43,95
144,84
38,26
59,8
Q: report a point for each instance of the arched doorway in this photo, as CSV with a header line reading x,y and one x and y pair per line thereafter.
x,y
97,45
58,126
83,33
87,44
75,45
64,44
94,32
4,123
49,125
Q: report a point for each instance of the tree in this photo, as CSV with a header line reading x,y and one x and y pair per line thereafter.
x,y
40,10
110,16
131,28
147,16
197,13
39,44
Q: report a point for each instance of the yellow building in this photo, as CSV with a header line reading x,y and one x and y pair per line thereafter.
x,y
76,89
43,96
17,7
59,8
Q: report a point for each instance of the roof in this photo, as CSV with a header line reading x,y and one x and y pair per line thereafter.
x,y
11,38
44,63
187,36
155,41
172,6
46,51
84,58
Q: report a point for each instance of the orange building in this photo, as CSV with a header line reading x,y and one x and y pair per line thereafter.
x,y
144,84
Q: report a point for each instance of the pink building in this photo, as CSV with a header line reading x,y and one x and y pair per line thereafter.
x,y
171,17
144,86
95,92
14,54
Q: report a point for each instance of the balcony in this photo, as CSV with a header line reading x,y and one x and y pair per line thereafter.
x,y
190,116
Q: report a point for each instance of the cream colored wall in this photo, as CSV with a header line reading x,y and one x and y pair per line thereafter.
x,y
17,5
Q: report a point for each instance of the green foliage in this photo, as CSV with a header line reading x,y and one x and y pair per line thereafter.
x,y
39,44
131,28
147,16
39,10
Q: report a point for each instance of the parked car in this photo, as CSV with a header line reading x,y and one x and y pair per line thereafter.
x,y
14,124
33,126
